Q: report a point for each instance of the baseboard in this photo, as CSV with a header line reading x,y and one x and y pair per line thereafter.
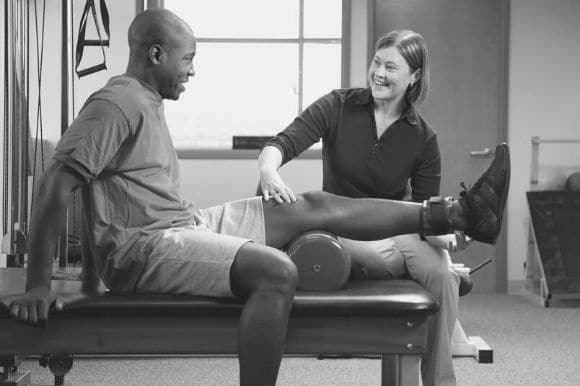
x,y
515,287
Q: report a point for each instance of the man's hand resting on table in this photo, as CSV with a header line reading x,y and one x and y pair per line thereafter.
x,y
32,307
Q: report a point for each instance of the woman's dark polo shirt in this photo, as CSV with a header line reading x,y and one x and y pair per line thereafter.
x,y
355,162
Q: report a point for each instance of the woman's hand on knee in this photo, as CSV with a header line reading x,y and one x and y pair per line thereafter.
x,y
273,186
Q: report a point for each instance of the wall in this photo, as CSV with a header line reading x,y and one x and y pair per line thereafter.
x,y
544,98
213,182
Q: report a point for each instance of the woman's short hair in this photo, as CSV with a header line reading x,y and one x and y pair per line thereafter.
x,y
413,49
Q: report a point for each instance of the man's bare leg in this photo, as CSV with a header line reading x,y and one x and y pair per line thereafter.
x,y
353,218
478,212
266,279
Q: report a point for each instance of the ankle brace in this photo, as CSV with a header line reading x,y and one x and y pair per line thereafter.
x,y
435,217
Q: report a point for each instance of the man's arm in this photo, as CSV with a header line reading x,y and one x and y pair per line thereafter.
x,y
90,274
47,220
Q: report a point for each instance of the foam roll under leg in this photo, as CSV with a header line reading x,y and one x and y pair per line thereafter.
x,y
322,262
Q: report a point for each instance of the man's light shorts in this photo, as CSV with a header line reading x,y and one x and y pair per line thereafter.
x,y
197,262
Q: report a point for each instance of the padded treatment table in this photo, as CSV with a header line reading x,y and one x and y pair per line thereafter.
x,y
388,318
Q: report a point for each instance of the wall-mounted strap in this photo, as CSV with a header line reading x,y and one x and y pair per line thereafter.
x,y
82,42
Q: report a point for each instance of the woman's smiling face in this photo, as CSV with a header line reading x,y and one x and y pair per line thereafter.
x,y
389,75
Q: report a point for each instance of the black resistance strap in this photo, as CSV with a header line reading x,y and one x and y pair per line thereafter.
x,y
82,42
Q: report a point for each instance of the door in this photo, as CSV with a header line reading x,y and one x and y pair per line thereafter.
x,y
467,42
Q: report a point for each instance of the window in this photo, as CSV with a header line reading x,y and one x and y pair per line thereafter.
x,y
259,63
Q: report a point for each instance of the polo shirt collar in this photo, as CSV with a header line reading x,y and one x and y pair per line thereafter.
x,y
411,116
365,97
154,93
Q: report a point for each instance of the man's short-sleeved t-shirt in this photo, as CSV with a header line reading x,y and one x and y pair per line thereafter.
x,y
121,146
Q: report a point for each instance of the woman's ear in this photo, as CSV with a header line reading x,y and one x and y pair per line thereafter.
x,y
416,76
155,52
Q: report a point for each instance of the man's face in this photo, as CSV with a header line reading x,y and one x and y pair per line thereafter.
x,y
176,66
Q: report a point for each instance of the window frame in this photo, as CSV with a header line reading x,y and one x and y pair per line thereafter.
x,y
186,152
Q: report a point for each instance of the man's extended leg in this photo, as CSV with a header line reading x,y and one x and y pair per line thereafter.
x,y
357,219
478,212
266,278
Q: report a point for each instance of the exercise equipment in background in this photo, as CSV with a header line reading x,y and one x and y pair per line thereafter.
x,y
470,346
16,131
573,182
20,164
555,245
100,42
552,266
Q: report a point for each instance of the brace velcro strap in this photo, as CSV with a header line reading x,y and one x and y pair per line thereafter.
x,y
438,218
423,219
435,219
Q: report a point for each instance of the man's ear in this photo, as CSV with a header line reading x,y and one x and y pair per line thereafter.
x,y
155,52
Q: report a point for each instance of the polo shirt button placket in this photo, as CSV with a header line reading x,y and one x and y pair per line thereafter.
x,y
374,152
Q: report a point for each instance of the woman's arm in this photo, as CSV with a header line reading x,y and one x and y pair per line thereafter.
x,y
426,177
271,183
306,129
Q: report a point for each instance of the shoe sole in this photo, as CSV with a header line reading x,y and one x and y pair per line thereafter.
x,y
503,198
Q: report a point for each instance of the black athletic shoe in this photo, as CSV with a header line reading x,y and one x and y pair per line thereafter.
x,y
485,201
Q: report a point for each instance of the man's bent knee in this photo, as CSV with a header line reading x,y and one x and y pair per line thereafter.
x,y
260,268
281,274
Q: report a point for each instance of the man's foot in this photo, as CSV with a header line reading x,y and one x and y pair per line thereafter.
x,y
484,202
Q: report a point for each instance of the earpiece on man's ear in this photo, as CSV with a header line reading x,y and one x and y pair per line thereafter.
x,y
155,52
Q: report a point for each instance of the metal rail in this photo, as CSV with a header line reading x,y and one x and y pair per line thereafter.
x,y
536,141
16,131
